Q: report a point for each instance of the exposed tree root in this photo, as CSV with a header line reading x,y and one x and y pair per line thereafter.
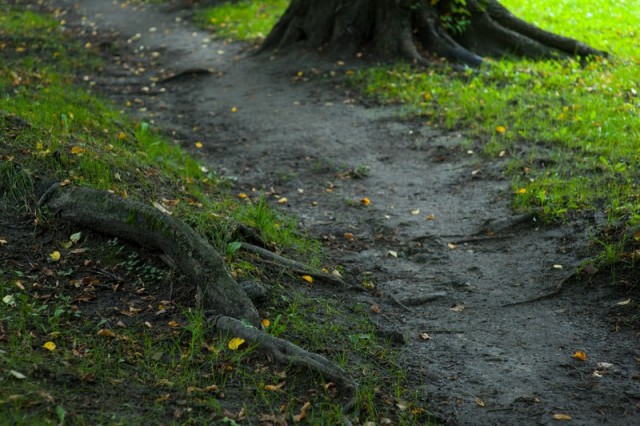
x,y
285,352
295,266
107,213
415,29
553,293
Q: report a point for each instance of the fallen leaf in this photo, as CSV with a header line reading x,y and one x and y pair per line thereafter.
x,y
348,235
9,299
242,195
283,200
424,336
77,150
17,374
557,266
163,398
479,402
457,307
415,212
106,333
3,241
307,278
198,144
559,416
375,309
55,256
501,129
579,355
303,412
274,388
266,322
173,324
452,246
234,109
74,238
430,217
624,302
50,346
392,253
365,201
522,191
235,343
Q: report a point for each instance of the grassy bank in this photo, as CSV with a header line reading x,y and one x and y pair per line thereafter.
x,y
94,330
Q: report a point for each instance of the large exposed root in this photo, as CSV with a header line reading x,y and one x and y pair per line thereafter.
x,y
149,227
286,353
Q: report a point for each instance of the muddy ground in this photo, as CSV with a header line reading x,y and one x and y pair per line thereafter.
x,y
438,240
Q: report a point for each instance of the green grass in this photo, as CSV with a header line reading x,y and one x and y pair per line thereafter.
x,y
242,20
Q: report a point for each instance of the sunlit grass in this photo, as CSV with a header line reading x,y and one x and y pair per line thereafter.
x,y
242,20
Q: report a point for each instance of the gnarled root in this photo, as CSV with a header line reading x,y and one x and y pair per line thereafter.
x,y
149,227
285,352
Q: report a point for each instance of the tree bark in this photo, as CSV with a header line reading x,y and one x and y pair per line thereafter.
x,y
133,221
417,29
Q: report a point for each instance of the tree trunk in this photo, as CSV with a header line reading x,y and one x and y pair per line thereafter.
x,y
460,31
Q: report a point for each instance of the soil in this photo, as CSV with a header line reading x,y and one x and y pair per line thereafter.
x,y
447,255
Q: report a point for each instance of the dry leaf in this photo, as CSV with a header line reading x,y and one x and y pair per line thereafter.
x,y
55,256
77,150
17,374
424,336
3,241
457,307
173,324
375,309
282,200
307,278
579,355
365,201
415,212
303,412
624,302
501,129
242,195
559,416
430,217
106,333
198,144
348,235
479,402
452,246
392,253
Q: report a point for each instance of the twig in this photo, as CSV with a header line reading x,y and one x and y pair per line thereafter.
x,y
294,265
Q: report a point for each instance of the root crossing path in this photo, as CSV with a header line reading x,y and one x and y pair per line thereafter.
x,y
437,239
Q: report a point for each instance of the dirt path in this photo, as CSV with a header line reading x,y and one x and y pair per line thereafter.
x,y
431,197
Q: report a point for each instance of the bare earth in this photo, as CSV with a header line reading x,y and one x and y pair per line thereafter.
x,y
423,235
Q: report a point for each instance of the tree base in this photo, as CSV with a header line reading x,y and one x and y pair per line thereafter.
x,y
416,30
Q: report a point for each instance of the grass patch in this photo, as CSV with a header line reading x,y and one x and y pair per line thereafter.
x,y
90,328
242,20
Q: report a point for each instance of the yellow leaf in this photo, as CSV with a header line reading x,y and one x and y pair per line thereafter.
x,y
624,302
121,135
55,256
282,200
77,150
198,144
234,109
501,129
559,416
415,212
3,241
235,343
242,195
266,322
173,324
452,246
579,355
522,191
106,333
365,201
50,346
348,235
479,402
307,278
430,217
